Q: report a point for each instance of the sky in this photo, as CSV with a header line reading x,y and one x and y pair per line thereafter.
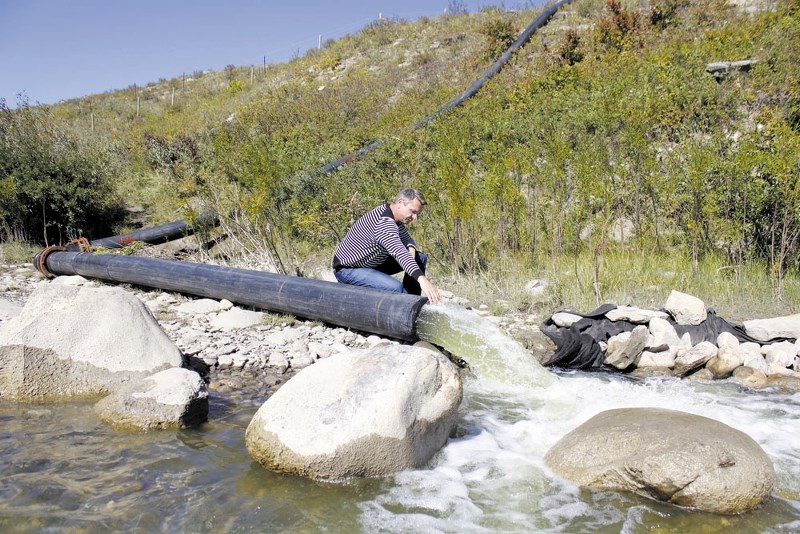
x,y
52,50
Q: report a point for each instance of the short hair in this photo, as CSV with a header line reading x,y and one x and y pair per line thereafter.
x,y
408,194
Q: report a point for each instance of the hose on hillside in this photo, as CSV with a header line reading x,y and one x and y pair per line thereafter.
x,y
523,38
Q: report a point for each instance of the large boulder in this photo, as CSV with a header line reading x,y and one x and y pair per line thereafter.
x,y
174,398
80,341
675,457
774,328
360,413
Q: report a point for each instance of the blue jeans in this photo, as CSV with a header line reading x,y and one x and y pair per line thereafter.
x,y
380,277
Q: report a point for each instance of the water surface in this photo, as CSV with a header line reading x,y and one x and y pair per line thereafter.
x,y
62,469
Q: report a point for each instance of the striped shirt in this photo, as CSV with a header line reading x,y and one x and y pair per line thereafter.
x,y
372,239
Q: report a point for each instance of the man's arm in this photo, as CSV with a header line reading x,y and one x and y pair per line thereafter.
x,y
428,289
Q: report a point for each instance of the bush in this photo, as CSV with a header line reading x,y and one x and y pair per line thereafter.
x,y
52,188
500,34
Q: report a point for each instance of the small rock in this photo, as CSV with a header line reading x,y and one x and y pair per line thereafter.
x,y
565,319
625,348
688,360
634,315
747,376
782,353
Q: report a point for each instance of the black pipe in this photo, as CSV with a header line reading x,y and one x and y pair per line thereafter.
x,y
523,38
370,310
155,235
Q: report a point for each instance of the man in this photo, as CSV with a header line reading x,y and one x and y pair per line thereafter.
x,y
378,246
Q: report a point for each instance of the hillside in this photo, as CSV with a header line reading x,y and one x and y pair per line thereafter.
x,y
604,139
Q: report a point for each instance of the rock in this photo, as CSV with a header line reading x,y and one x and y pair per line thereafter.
x,y
688,360
662,333
300,360
664,359
319,350
363,413
173,398
283,337
670,456
535,288
775,328
76,341
752,357
726,339
647,372
686,309
374,340
701,375
279,361
73,280
237,318
775,368
720,69
781,354
199,306
625,348
565,319
728,358
540,345
634,315
747,376
784,383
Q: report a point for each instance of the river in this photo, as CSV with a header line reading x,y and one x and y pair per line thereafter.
x,y
62,469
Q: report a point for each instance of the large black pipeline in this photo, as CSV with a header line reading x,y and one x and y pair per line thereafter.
x,y
369,310
523,38
155,235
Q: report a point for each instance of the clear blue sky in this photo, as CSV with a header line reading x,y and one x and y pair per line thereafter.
x,y
53,50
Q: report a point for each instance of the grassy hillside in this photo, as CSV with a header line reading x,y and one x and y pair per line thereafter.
x,y
603,157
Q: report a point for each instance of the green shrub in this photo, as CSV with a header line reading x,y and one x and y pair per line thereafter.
x,y
52,187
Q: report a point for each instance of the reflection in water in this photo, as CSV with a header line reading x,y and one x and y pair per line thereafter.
x,y
61,468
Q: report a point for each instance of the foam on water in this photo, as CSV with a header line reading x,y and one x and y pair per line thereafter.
x,y
492,476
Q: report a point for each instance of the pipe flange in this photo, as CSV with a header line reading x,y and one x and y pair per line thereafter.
x,y
40,260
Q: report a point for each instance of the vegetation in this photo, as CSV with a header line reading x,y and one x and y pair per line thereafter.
x,y
602,158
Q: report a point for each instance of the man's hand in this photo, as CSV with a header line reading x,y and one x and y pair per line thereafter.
x,y
429,290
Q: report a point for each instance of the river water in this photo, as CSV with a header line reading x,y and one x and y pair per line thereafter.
x,y
62,469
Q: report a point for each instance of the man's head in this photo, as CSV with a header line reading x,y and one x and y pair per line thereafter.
x,y
407,205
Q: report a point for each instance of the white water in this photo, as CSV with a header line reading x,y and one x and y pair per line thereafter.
x,y
84,476
492,477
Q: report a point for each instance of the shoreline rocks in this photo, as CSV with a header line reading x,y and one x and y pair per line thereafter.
x,y
677,343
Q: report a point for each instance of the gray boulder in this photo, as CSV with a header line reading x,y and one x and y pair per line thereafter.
x,y
80,341
670,456
174,398
361,413
774,328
